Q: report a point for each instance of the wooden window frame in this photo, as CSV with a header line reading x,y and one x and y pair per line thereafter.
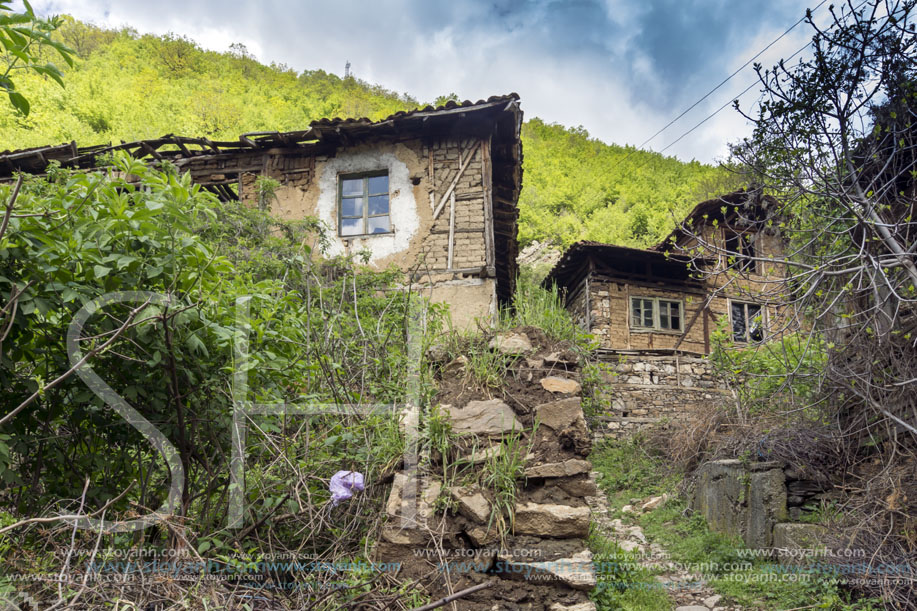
x,y
746,241
364,176
762,312
657,326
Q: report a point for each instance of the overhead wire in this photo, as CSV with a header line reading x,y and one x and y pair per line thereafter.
x,y
728,78
743,92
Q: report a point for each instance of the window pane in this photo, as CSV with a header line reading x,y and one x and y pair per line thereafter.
x,y
738,322
351,226
378,184
378,204
755,330
647,313
352,206
378,224
352,186
748,245
669,312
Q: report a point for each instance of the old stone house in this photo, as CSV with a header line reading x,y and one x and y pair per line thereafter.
x,y
667,299
431,191
654,311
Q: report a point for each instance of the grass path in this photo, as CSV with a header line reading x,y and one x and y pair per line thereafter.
x,y
665,558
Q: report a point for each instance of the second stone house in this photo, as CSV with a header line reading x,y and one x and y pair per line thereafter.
x,y
719,265
655,312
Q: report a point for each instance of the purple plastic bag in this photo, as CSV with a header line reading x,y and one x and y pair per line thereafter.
x,y
343,484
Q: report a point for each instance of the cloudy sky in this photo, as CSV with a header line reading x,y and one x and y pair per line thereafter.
x,y
620,68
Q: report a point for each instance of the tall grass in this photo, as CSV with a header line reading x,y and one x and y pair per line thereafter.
x,y
536,306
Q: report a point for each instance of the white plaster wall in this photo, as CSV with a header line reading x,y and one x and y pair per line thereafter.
x,y
402,207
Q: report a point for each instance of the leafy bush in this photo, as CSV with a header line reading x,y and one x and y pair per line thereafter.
x,y
319,332
787,370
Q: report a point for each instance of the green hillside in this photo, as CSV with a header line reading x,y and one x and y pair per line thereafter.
x,y
128,86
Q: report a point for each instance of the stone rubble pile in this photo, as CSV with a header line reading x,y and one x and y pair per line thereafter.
x,y
447,534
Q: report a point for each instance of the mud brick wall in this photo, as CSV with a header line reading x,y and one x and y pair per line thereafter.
x,y
644,390
432,168
469,249
422,175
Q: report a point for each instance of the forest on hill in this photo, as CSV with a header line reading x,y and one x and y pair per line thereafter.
x,y
125,85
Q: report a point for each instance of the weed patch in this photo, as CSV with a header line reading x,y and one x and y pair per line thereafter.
x,y
621,583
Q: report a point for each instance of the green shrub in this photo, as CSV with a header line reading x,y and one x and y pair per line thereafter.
x,y
768,375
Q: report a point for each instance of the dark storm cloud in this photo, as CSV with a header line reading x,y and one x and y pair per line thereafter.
x,y
687,44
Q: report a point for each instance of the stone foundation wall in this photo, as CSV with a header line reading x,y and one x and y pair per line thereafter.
x,y
750,501
643,390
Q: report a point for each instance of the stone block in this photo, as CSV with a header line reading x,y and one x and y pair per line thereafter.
x,y
558,415
577,571
491,418
557,384
549,520
796,543
511,343
471,503
567,468
741,502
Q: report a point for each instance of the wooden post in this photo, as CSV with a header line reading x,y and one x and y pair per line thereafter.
x,y
432,174
706,331
588,308
451,229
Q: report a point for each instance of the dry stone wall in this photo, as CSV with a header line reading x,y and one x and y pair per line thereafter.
x,y
640,391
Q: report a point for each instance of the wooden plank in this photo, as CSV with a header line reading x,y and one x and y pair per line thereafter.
x,y
487,177
642,282
180,144
210,143
150,150
457,230
470,195
690,325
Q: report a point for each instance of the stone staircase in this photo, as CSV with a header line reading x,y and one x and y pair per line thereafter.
x,y
448,536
